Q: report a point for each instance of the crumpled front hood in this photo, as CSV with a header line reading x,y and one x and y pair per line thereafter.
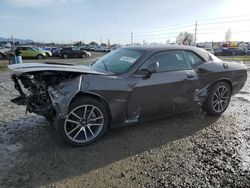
x,y
35,67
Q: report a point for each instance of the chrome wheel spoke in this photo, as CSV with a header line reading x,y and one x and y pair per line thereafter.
x,y
72,121
223,92
215,101
73,129
97,118
91,112
215,94
223,101
91,131
77,133
85,111
74,114
85,133
95,124
216,104
221,106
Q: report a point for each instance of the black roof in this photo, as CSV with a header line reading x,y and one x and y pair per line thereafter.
x,y
161,47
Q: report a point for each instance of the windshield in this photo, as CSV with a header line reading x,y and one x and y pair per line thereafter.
x,y
36,48
117,61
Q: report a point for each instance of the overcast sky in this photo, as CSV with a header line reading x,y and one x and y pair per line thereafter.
x,y
150,20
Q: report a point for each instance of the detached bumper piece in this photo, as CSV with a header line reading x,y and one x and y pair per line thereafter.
x,y
22,99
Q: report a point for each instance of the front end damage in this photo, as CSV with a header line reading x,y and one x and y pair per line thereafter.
x,y
47,93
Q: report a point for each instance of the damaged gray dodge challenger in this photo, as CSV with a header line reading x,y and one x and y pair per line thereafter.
x,y
126,86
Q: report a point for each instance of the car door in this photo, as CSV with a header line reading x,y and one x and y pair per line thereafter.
x,y
205,76
169,90
30,52
23,51
75,52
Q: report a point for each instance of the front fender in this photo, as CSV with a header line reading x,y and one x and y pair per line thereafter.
x,y
62,94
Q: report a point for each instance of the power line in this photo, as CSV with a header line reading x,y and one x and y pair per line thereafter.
x,y
163,33
239,16
232,21
164,29
187,24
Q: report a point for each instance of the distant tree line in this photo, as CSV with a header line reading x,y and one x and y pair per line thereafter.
x,y
93,43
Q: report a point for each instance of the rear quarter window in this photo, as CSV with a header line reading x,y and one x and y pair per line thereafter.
x,y
194,59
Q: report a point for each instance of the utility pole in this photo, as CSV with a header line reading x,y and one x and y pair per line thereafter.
x,y
100,39
108,43
195,33
131,37
13,43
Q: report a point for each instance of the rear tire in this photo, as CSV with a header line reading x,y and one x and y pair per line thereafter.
x,y
83,56
65,56
1,56
86,122
218,99
39,56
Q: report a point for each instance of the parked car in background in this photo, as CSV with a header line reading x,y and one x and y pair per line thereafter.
x,y
31,52
56,52
209,50
125,87
47,52
83,49
51,49
68,52
217,51
248,51
230,52
4,52
93,48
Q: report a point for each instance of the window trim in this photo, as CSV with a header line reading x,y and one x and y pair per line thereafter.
x,y
137,72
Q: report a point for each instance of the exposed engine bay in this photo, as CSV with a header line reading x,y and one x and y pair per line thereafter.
x,y
34,90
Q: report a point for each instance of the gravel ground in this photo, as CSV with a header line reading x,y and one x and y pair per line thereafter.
x,y
187,150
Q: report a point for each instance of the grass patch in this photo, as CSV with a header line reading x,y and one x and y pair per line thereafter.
x,y
236,58
3,68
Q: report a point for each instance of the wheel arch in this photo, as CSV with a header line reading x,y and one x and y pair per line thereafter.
x,y
39,55
203,94
226,80
94,96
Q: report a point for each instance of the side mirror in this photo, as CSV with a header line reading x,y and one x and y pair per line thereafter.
x,y
152,68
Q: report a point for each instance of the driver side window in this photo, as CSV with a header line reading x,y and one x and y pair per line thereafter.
x,y
168,61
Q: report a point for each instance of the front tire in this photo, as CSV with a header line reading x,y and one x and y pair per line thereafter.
x,y
86,122
218,99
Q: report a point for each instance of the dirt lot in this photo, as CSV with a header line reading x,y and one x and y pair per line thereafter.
x,y
188,150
